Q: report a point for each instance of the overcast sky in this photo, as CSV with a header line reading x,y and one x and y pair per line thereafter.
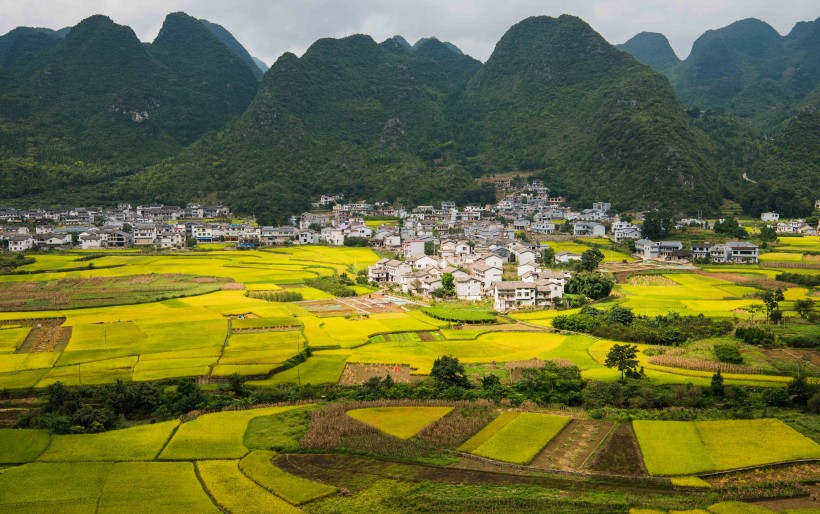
x,y
269,28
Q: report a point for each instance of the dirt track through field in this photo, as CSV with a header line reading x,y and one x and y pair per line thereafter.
x,y
571,448
46,335
350,471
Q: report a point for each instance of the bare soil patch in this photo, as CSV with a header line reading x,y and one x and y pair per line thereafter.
x,y
790,355
46,335
328,308
651,280
571,448
371,304
620,455
354,373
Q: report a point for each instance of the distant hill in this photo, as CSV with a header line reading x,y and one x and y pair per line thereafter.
x,y
93,115
260,64
652,49
368,120
99,103
235,46
749,69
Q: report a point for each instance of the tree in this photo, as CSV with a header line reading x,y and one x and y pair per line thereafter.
x,y
622,315
771,299
591,284
754,309
716,387
767,234
448,372
548,256
657,224
624,357
804,307
448,284
590,259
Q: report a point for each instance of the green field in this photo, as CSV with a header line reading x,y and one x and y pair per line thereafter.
x,y
294,490
688,448
21,446
516,438
144,443
215,436
402,422
153,487
235,492
460,313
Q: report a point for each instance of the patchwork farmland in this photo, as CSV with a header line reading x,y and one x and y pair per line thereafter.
x,y
194,324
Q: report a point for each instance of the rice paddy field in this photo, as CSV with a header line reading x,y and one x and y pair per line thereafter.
x,y
402,422
689,448
216,333
609,255
114,471
515,437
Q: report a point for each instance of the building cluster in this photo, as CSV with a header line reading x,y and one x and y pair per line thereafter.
x,y
477,272
737,252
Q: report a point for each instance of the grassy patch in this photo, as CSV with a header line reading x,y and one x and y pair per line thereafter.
x,y
137,443
235,492
402,422
21,446
460,313
520,440
215,436
280,432
295,490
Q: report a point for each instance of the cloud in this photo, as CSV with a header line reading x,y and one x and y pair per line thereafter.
x,y
269,28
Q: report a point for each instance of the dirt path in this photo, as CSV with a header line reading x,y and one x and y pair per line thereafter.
x,y
46,335
353,472
571,448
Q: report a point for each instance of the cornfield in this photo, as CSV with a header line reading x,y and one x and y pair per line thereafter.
x,y
702,365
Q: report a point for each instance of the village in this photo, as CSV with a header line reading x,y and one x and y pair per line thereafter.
x,y
490,252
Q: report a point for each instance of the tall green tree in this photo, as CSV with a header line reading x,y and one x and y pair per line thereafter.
x,y
624,357
448,372
590,259
657,224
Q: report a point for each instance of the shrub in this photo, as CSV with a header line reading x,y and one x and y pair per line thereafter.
x,y
796,278
728,353
337,286
277,296
755,335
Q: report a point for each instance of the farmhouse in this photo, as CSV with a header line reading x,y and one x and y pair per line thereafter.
x,y
588,230
512,295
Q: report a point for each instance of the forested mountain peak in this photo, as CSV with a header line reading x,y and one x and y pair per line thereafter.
x,y
235,46
652,49
554,97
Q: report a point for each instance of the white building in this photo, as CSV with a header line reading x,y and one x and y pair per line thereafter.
x,y
770,216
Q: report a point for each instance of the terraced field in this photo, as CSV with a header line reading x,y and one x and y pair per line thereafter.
x,y
78,473
191,336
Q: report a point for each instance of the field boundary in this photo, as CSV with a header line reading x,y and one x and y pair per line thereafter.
x,y
205,487
761,466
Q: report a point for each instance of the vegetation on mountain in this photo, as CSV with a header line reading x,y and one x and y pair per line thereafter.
x,y
184,118
99,104
652,49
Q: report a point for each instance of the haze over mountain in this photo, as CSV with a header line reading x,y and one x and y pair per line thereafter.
x,y
97,116
652,49
746,67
